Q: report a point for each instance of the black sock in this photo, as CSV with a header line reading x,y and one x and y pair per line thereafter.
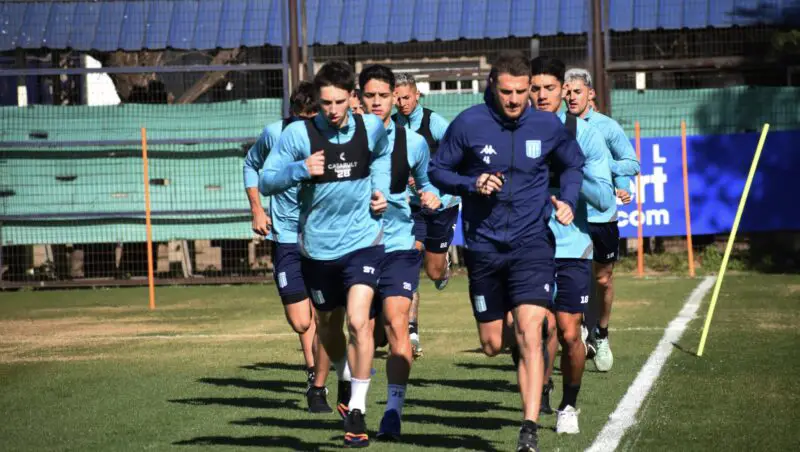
x,y
412,328
570,396
529,425
602,333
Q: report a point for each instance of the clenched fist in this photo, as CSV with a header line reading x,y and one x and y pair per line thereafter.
x,y
378,203
564,213
316,163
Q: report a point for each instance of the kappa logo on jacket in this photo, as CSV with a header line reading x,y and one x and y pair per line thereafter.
x,y
488,150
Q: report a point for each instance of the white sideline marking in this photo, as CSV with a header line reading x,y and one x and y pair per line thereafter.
x,y
624,416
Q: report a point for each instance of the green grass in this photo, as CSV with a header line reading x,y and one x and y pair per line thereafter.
x,y
744,392
218,368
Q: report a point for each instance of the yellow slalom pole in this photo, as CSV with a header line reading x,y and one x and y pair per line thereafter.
x,y
731,239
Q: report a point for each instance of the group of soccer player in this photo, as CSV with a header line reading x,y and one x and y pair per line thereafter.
x,y
361,199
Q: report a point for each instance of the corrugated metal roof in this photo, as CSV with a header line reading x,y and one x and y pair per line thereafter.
x,y
208,24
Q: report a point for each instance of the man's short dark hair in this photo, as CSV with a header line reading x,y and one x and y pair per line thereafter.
x,y
548,66
302,100
335,73
376,72
512,62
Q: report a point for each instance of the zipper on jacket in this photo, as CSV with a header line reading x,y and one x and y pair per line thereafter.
x,y
510,192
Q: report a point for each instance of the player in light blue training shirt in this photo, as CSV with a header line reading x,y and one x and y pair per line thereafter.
x,y
434,230
343,164
603,223
573,244
402,262
280,226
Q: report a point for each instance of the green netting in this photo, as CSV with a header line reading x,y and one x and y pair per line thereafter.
x,y
709,111
124,121
210,179
659,112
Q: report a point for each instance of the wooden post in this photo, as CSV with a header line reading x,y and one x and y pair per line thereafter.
x,y
639,219
689,248
148,225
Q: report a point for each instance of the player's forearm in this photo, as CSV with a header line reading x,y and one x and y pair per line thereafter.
x,y
274,181
450,182
250,177
570,183
624,167
597,193
255,199
622,182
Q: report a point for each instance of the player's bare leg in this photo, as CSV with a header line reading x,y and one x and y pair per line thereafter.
x,y
604,277
551,346
361,346
573,359
528,321
398,365
413,315
333,342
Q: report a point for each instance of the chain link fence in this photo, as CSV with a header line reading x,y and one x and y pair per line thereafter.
x,y
71,167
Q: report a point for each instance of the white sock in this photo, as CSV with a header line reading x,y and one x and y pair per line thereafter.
x,y
358,395
395,398
342,369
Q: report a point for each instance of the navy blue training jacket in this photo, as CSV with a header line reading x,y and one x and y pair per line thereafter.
x,y
481,140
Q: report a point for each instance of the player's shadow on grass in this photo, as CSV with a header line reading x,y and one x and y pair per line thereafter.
x,y
312,423
497,365
459,442
458,406
273,366
286,442
282,386
477,423
244,402
475,385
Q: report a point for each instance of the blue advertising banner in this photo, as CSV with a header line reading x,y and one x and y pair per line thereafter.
x,y
718,167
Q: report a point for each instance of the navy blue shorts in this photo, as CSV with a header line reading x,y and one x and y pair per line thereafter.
x,y
573,282
605,237
287,272
399,274
329,281
435,229
501,281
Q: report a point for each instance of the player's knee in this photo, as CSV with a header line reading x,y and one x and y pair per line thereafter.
x,y
569,337
436,270
398,324
605,279
300,326
530,336
491,346
358,324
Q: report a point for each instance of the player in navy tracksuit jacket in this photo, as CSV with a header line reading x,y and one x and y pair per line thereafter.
x,y
497,157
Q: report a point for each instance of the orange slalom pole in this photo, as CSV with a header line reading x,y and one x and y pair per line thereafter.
x,y
148,225
640,220
688,215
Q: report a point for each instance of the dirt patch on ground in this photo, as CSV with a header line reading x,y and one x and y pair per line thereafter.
x,y
19,339
632,303
104,310
774,321
82,327
793,289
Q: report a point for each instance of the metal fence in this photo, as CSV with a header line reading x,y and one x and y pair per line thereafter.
x,y
71,167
